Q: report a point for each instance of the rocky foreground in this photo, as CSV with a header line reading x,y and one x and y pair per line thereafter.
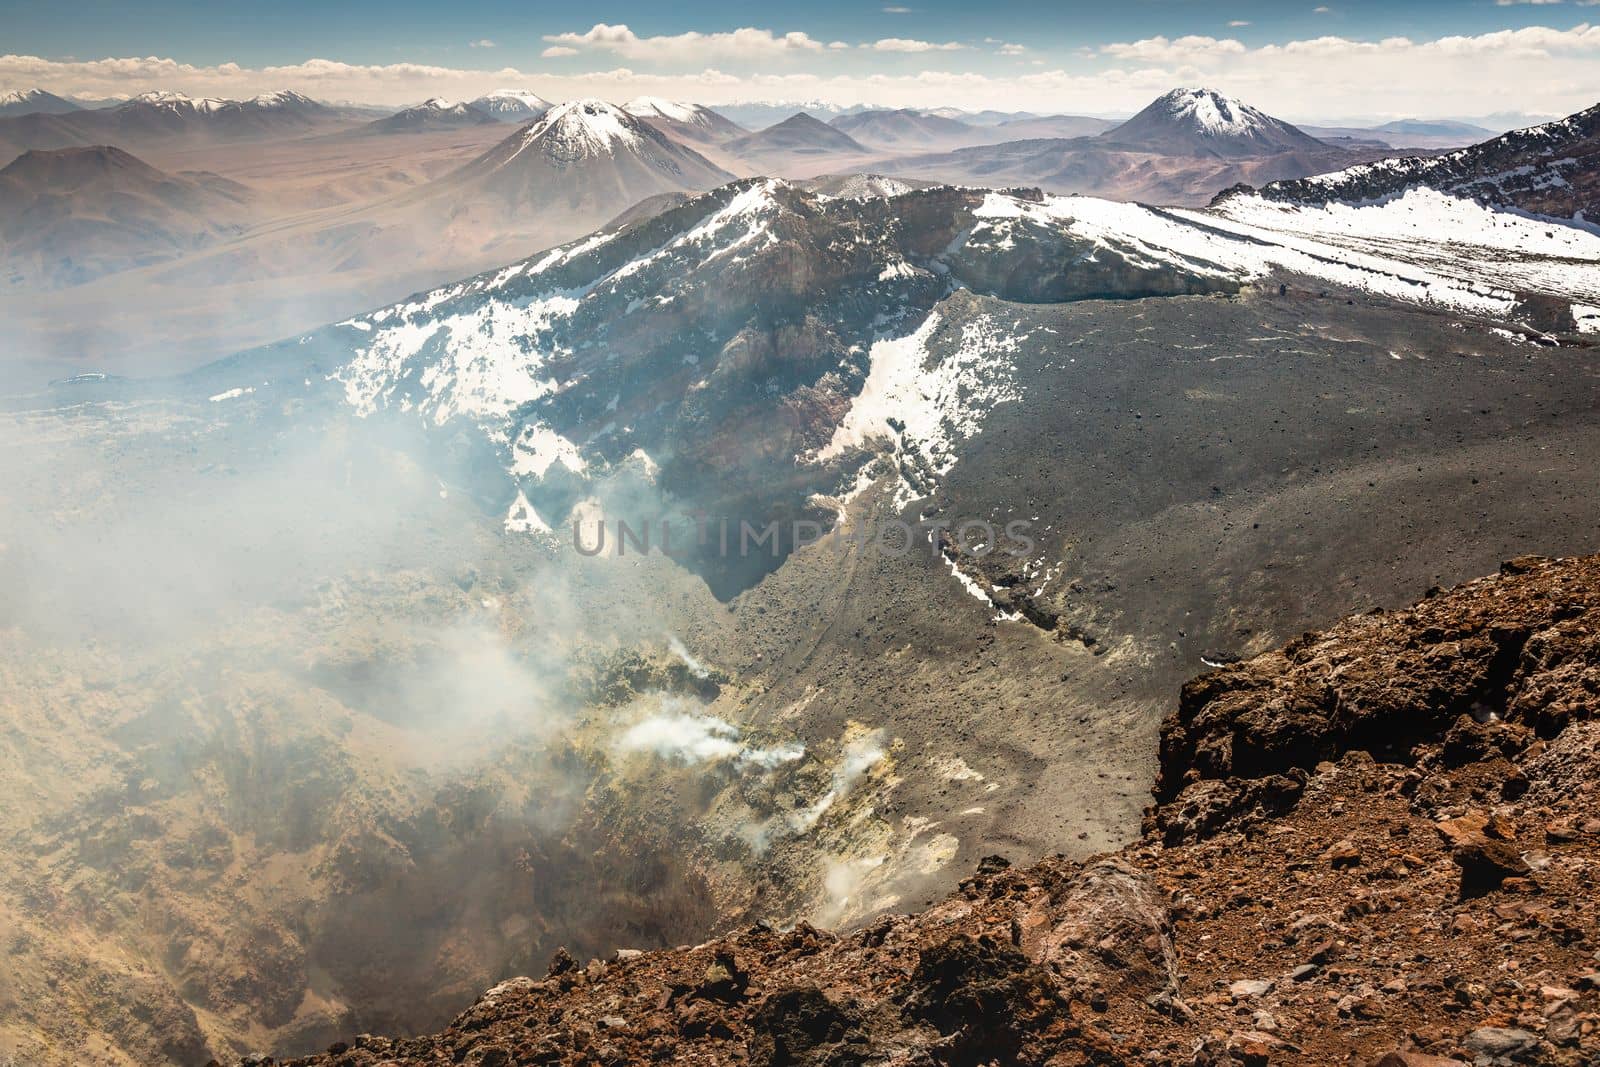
x,y
1377,845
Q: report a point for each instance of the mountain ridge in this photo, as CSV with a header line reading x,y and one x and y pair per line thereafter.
x,y
435,113
1552,169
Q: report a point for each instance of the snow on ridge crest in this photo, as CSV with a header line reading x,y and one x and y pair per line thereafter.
x,y
521,95
1424,247
655,106
172,100
483,348
495,351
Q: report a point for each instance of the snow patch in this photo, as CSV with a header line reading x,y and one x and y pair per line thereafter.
x,y
930,404
521,518
538,448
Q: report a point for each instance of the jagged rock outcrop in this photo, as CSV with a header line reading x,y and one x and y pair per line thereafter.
x,y
1376,845
1484,670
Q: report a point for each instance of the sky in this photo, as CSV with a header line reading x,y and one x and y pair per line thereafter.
x,y
1345,60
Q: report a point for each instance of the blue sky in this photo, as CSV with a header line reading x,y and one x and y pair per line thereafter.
x,y
1349,59
367,31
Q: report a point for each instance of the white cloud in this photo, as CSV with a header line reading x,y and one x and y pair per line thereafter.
x,y
744,43
483,42
1010,50
556,51
901,44
1181,50
896,9
1325,78
1513,3
1322,10
1237,23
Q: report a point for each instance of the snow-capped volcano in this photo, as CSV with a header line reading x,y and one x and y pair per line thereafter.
x,y
586,160
690,121
34,101
586,330
755,305
512,105
582,128
1205,122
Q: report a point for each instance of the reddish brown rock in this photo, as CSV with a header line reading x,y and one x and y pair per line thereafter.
x,y
1241,929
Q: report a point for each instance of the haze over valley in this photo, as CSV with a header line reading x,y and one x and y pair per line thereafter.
x,y
291,212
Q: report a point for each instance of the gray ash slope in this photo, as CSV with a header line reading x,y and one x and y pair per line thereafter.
x,y
1551,169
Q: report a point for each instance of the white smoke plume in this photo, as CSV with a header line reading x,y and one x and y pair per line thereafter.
x,y
682,734
698,669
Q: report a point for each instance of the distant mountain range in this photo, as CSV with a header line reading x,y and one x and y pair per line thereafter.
x,y
799,145
1180,149
156,117
463,195
904,129
434,114
1406,133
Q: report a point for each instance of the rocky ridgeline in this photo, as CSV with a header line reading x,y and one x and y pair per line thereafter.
x,y
1377,845
1546,170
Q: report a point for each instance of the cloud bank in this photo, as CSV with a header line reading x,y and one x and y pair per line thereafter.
x,y
1546,70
